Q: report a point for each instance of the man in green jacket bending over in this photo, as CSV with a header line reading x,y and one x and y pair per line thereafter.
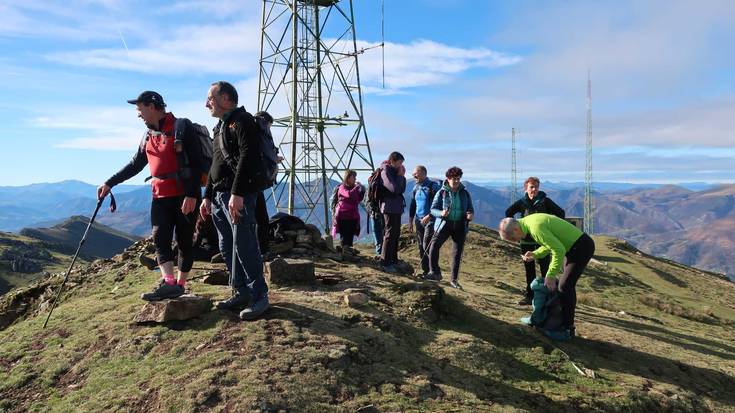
x,y
558,238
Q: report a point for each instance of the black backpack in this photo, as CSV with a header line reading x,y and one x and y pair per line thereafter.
x,y
201,138
375,191
267,171
268,156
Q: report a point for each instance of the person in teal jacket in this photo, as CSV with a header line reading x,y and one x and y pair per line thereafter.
x,y
452,205
559,239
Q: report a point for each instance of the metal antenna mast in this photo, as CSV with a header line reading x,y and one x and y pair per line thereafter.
x,y
310,83
588,215
513,170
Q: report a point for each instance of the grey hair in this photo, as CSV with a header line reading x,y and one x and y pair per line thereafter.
x,y
506,227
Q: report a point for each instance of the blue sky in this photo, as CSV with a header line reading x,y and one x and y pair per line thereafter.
x,y
459,75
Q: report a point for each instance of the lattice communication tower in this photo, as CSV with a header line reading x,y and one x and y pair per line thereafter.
x,y
309,81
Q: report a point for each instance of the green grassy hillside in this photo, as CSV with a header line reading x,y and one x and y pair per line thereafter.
x,y
38,257
654,336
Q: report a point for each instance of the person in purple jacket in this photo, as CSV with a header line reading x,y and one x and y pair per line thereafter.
x,y
392,204
345,213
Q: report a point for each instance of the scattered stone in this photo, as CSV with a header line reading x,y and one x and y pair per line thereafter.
x,y
355,290
217,278
356,299
281,247
181,308
290,271
201,346
598,262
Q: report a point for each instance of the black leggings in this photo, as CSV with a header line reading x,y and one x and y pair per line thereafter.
x,y
457,230
390,238
166,217
577,258
530,267
347,230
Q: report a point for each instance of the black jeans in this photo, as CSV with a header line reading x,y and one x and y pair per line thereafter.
x,y
424,234
457,231
389,254
530,267
167,218
347,230
577,258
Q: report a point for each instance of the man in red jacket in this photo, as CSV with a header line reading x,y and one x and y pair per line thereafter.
x,y
176,163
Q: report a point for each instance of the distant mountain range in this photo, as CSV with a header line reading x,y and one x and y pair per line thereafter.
x,y
101,242
694,227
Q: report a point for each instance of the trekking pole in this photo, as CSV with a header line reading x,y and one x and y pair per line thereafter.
x,y
431,242
113,207
234,255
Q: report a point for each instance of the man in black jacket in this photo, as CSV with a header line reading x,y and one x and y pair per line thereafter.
x,y
533,201
173,154
230,197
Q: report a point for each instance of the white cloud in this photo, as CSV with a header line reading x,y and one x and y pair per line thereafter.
x,y
424,62
226,50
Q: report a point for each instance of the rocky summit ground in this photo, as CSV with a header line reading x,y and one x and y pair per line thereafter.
x,y
653,336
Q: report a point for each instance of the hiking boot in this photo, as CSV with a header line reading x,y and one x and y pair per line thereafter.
x,y
163,291
455,284
525,301
561,334
217,258
256,309
234,303
432,277
147,262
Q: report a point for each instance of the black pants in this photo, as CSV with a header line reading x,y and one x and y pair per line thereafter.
x,y
424,234
166,218
347,230
389,255
261,222
577,258
530,267
448,229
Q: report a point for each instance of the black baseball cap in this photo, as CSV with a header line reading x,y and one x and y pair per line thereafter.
x,y
148,97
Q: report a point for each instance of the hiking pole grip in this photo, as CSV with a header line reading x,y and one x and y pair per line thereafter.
x,y
74,259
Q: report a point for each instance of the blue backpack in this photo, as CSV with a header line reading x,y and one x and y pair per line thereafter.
x,y
546,313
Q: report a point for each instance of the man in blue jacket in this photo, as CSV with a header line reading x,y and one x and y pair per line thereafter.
x,y
420,213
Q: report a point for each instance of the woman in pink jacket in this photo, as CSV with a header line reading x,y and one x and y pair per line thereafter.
x,y
345,213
